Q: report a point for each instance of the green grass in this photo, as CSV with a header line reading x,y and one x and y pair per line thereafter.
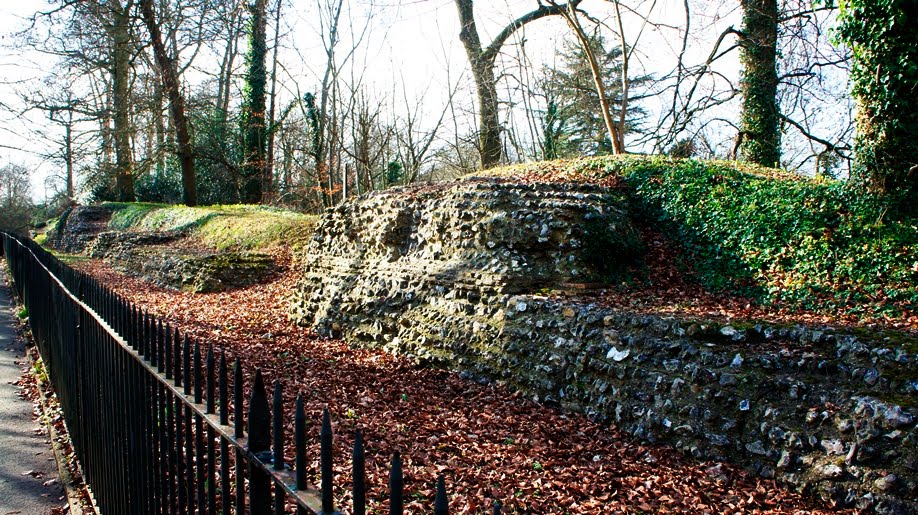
x,y
817,244
241,227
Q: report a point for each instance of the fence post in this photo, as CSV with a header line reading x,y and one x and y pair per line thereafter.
x,y
441,503
259,444
224,445
325,452
299,441
396,486
358,470
277,429
238,432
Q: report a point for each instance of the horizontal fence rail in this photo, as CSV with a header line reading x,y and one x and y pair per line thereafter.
x,y
148,409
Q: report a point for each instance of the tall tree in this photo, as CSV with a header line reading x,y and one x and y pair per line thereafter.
x,y
272,114
482,60
15,208
884,43
254,102
181,123
760,122
574,122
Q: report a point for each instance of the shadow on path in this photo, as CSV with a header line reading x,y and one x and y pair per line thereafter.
x,y
26,459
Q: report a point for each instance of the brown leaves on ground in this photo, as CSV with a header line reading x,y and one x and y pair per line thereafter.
x,y
488,442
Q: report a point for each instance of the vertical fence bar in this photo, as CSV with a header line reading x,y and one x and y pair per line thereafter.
x,y
224,445
189,461
170,448
325,453
211,447
277,428
200,474
358,470
238,427
259,444
299,441
396,486
441,503
177,357
186,365
167,351
160,347
179,461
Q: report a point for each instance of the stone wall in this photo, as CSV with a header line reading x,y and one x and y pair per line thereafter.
x,y
78,227
165,258
452,276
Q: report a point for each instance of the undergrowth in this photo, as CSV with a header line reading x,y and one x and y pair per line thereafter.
x,y
770,234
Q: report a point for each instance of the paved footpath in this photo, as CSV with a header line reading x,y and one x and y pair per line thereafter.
x,y
26,459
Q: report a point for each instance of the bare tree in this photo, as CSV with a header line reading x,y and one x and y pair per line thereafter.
x,y
170,82
482,59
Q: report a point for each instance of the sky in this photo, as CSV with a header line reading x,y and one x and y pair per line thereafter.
x,y
411,49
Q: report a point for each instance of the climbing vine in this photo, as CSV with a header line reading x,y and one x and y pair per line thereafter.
x,y
884,44
760,119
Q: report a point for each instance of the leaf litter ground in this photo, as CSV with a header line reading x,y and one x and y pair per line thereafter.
x,y
490,443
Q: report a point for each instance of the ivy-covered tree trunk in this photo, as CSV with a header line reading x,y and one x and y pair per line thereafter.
x,y
884,76
760,123
253,109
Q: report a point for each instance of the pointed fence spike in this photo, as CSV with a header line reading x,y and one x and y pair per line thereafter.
x,y
167,351
259,417
299,439
152,340
186,365
238,424
358,470
441,504
160,347
396,486
277,425
145,335
224,390
211,387
134,332
328,501
198,376
177,356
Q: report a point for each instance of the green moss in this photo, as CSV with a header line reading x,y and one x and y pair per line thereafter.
x,y
70,259
238,227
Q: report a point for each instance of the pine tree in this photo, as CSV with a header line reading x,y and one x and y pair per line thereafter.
x,y
573,123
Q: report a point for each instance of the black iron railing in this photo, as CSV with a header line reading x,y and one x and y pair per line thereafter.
x,y
148,410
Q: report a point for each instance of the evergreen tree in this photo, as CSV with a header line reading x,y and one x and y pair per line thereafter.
x,y
573,123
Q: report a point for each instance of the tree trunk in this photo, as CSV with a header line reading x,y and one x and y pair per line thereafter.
x,y
615,132
488,114
180,122
269,166
254,129
121,98
68,154
760,119
482,61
